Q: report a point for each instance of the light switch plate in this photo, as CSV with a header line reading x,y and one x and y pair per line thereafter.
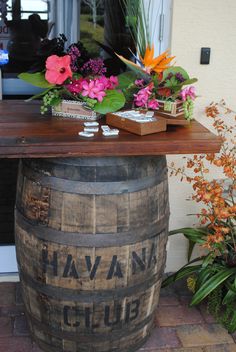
x,y
205,56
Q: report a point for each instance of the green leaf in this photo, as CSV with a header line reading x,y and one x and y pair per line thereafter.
x,y
230,286
77,75
131,21
212,284
183,272
232,326
171,83
112,102
189,81
129,93
208,260
229,297
38,96
189,231
126,79
191,246
196,235
135,68
203,276
36,79
174,70
55,101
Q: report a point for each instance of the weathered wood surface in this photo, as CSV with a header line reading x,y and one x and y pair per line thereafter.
x,y
91,239
26,133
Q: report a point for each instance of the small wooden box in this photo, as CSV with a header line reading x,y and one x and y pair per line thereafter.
x,y
140,128
171,109
173,113
74,109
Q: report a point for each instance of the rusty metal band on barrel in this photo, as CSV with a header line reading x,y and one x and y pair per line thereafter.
x,y
77,187
96,240
89,296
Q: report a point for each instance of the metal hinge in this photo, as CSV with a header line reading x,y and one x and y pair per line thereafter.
x,y
161,28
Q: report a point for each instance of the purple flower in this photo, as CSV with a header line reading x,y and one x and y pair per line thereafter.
x,y
179,77
74,53
94,67
170,75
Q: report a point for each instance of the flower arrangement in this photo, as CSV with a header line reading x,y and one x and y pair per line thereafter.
x,y
158,82
72,75
214,276
153,82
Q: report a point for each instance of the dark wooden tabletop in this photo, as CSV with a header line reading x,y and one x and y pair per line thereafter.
x,y
25,133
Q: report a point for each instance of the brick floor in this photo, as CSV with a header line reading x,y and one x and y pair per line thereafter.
x,y
178,327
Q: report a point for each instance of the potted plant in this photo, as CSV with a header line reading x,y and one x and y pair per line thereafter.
x,y
212,276
74,84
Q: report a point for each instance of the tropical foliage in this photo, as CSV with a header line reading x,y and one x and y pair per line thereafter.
x,y
213,275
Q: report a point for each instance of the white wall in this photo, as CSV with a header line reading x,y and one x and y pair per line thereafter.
x,y
196,24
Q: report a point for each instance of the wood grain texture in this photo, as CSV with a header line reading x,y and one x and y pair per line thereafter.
x,y
24,133
91,263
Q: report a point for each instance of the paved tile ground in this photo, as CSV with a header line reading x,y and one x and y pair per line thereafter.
x,y
178,327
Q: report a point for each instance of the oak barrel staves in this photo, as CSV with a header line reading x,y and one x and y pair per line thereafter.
x,y
90,240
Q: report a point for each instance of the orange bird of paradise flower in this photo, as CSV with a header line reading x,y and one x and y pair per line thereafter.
x,y
158,64
149,64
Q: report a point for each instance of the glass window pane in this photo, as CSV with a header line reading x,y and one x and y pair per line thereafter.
x,y
34,5
92,27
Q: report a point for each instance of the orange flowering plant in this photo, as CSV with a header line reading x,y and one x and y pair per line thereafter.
x,y
213,275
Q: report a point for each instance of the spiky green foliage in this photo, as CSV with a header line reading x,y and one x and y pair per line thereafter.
x,y
138,20
215,280
222,312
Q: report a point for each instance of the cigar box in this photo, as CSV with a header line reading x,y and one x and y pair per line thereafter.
x,y
141,125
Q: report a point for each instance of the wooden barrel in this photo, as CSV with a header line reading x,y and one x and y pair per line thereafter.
x,y
90,239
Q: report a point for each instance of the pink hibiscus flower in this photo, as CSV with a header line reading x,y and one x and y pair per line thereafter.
x,y
58,69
